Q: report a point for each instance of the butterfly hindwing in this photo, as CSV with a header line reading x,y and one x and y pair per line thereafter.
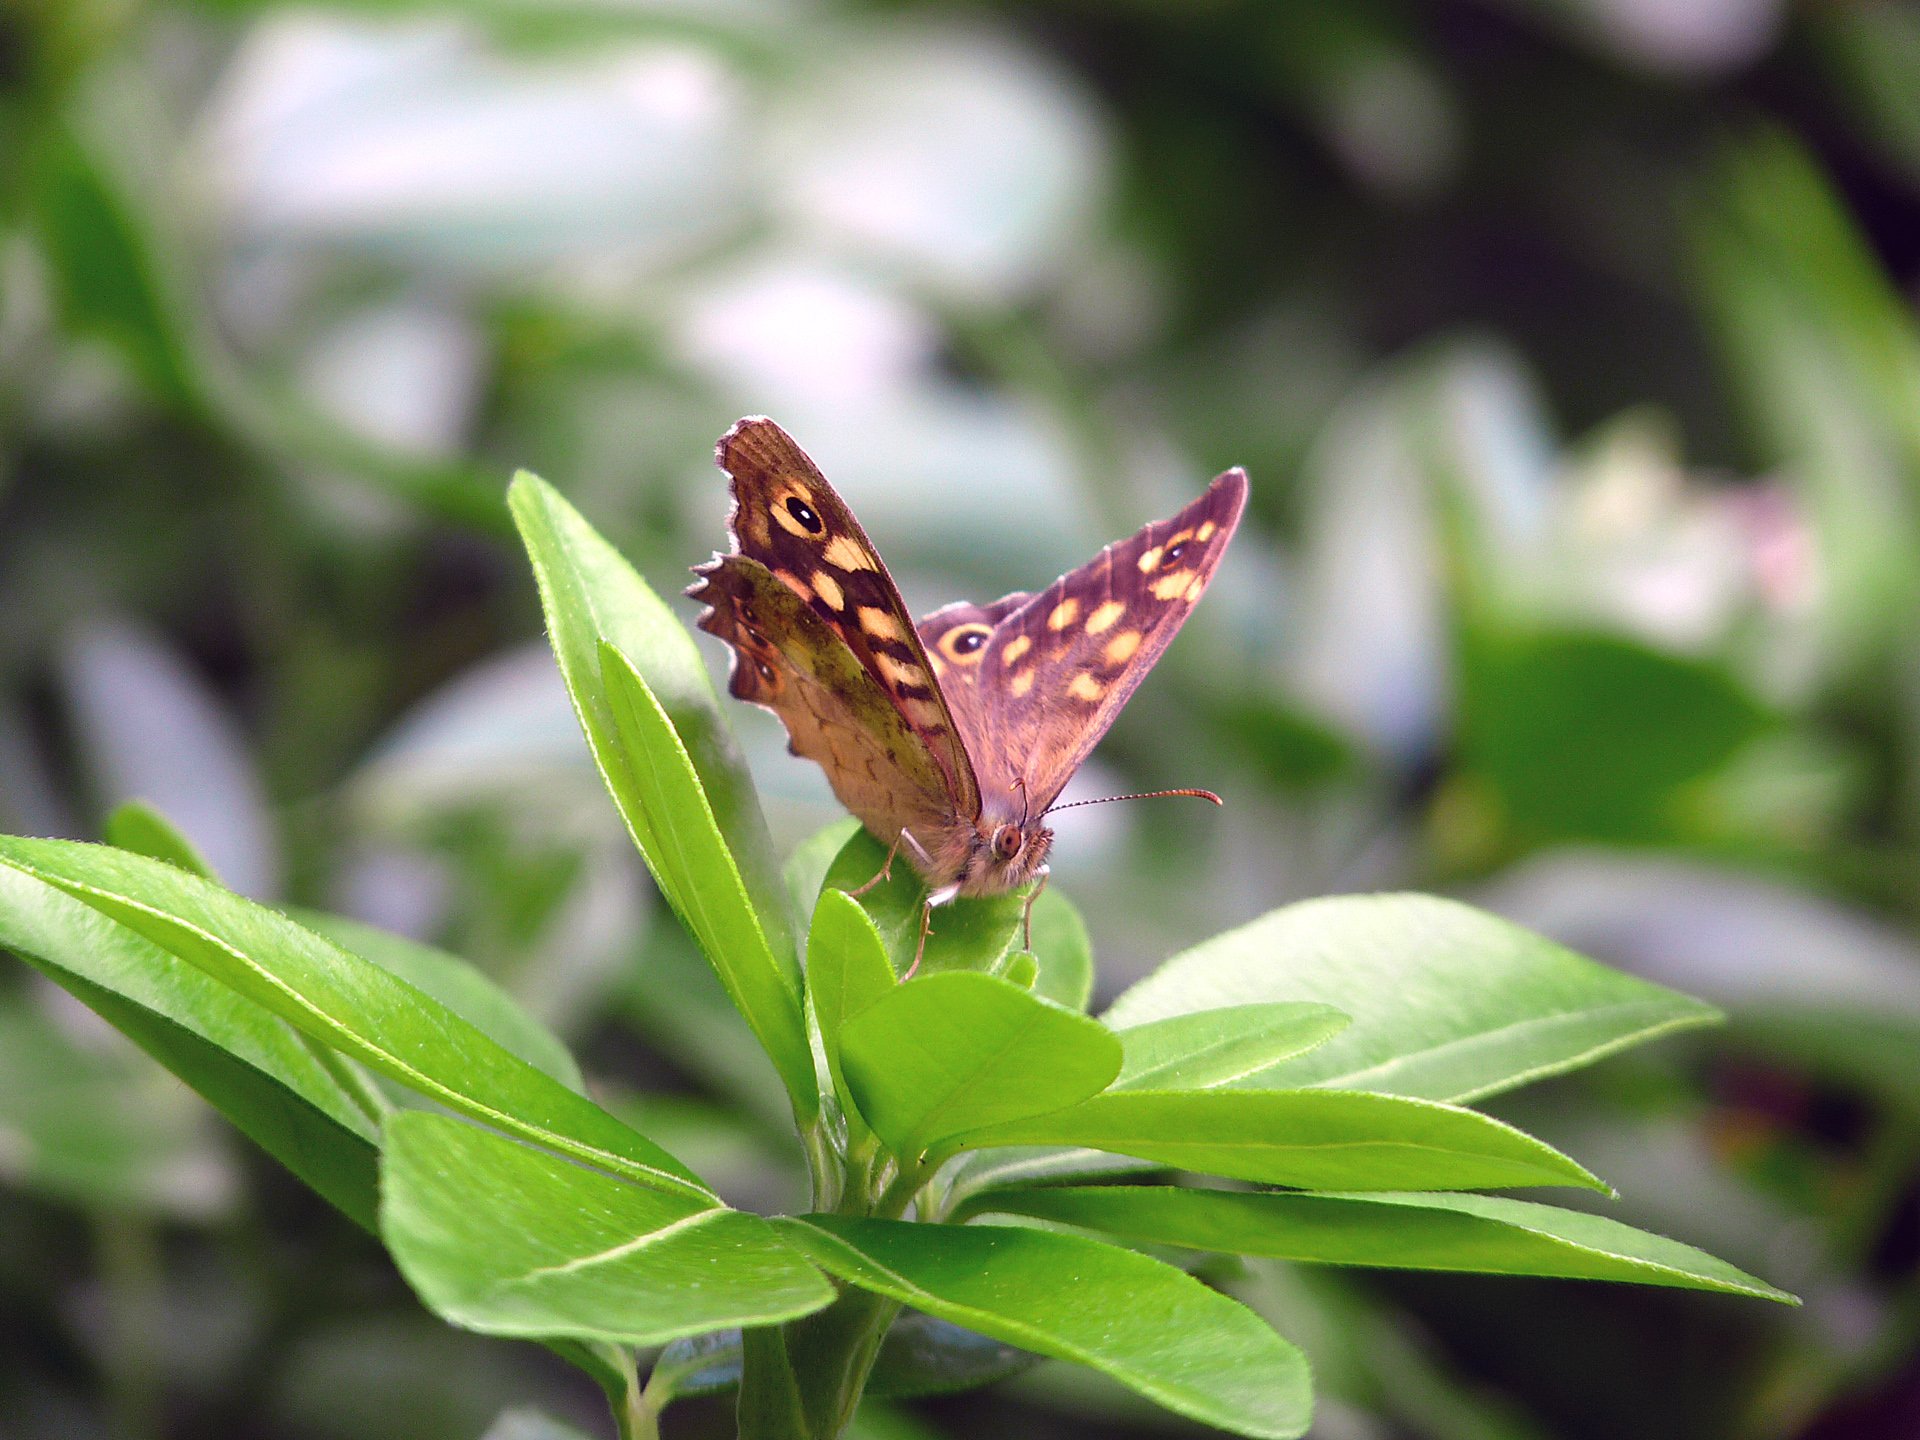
x,y
1055,670
788,519
792,662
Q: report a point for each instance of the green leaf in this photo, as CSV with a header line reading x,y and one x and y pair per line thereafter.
x,y
100,1127
695,869
805,872
951,1053
847,971
239,1057
1448,1002
456,984
1153,1328
1316,1139
966,935
924,1355
1218,1047
138,827
344,1002
501,1238
1645,724
1064,950
1487,1234
596,603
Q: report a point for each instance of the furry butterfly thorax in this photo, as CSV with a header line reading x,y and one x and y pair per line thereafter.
x,y
950,739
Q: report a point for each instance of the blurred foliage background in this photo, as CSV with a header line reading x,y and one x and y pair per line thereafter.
x,y
1571,346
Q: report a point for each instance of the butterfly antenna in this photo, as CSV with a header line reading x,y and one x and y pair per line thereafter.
x,y
1144,795
1025,800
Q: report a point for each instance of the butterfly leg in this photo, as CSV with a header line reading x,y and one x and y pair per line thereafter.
x,y
939,897
1026,915
886,868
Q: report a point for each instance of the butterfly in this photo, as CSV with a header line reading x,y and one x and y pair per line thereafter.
x,y
951,739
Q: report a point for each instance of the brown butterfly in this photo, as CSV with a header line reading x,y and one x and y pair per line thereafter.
x,y
950,740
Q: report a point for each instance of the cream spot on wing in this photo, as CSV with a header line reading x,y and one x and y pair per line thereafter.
x,y
1205,532
1021,683
1103,616
923,713
1017,647
1085,687
1150,559
828,589
880,624
1199,584
846,552
1172,585
1064,614
901,672
1120,649
794,583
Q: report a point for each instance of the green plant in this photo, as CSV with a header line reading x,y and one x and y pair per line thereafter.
x,y
1326,1051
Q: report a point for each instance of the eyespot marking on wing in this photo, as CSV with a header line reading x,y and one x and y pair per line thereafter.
x,y
963,643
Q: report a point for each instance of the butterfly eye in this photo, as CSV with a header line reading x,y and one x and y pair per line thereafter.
x,y
1007,841
802,512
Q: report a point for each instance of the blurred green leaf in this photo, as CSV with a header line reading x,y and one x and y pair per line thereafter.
x,y
1483,1233
99,1129
945,1054
343,1001
1316,1139
1154,1329
1594,735
138,827
594,603
508,1240
1448,1002
1217,1047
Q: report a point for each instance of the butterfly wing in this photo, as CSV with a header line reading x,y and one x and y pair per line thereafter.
x,y
787,518
955,637
1056,668
786,658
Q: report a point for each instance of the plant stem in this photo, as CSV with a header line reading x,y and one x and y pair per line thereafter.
x,y
129,1258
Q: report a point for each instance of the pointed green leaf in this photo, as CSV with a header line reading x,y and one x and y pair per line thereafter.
x,y
1448,1002
954,1052
343,1001
1315,1139
1487,1234
238,1056
1153,1328
138,827
501,1238
697,873
847,971
1218,1047
592,597
460,986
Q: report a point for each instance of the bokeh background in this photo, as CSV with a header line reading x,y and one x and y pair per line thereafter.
x,y
1571,345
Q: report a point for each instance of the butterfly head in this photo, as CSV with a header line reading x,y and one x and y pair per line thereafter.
x,y
1004,856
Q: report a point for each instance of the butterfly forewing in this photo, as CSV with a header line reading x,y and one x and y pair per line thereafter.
x,y
1056,669
791,661
787,518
